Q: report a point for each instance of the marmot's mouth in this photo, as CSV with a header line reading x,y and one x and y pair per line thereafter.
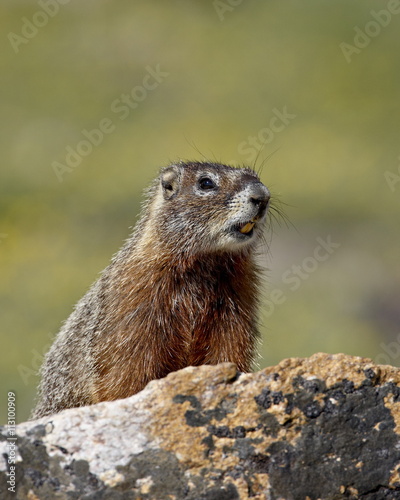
x,y
247,228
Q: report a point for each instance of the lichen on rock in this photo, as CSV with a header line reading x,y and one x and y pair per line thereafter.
x,y
324,427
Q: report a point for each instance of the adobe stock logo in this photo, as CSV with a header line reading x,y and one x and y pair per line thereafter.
x,y
222,7
392,178
298,273
371,29
277,124
390,354
30,27
122,106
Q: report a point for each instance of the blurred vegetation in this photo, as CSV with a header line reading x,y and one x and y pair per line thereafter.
x,y
226,79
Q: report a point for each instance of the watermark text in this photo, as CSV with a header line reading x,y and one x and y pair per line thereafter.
x,y
277,123
223,6
122,107
30,27
11,441
363,36
298,273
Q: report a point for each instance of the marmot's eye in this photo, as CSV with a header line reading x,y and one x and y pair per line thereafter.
x,y
167,185
206,184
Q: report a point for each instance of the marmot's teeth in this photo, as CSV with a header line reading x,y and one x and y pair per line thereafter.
x,y
247,227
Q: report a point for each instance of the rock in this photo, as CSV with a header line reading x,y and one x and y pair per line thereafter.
x,y
325,427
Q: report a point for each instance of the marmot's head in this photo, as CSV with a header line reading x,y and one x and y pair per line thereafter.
x,y
206,207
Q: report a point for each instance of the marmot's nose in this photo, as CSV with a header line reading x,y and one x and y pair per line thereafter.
x,y
259,197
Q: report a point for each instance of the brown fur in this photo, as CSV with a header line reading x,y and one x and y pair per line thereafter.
x,y
182,291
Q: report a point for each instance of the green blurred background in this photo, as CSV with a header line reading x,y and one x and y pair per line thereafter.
x,y
225,73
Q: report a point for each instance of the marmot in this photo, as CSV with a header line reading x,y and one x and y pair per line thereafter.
x,y
182,291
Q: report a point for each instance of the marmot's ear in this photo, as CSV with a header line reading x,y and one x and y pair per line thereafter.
x,y
169,182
